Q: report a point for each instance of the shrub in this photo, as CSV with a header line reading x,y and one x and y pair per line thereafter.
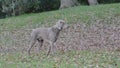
x,y
17,7
108,1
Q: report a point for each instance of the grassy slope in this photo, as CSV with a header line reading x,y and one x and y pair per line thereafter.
x,y
82,59
73,15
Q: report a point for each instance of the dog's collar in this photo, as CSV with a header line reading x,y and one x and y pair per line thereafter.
x,y
55,29
59,29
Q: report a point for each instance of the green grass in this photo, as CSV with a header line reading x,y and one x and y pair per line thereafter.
x,y
81,59
83,14
71,59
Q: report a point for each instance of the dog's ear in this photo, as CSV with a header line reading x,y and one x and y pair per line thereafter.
x,y
62,21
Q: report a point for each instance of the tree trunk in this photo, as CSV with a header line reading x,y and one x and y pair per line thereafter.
x,y
68,3
92,2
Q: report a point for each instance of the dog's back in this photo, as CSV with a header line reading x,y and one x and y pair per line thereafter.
x,y
40,33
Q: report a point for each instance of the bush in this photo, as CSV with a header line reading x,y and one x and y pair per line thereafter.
x,y
83,2
17,7
108,1
44,5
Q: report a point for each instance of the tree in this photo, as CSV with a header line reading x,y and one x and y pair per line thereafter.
x,y
92,2
68,3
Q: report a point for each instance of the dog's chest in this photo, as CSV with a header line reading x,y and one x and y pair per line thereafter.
x,y
54,34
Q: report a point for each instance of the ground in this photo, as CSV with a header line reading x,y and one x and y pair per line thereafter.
x,y
91,41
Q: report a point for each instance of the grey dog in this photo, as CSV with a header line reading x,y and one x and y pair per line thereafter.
x,y
46,34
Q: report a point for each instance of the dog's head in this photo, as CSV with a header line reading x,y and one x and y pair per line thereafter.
x,y
61,24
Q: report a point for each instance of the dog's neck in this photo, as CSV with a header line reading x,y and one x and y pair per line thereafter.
x,y
56,27
55,30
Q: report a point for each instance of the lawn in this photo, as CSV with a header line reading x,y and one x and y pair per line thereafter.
x,y
79,59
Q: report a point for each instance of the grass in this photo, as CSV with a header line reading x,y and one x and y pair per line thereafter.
x,y
77,14
82,59
68,59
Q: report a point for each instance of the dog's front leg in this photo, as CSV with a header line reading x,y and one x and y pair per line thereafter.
x,y
51,48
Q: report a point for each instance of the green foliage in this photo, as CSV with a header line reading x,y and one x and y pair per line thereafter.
x,y
18,7
108,1
2,15
83,2
43,5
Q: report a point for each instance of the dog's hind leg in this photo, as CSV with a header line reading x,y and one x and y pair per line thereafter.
x,y
40,41
32,42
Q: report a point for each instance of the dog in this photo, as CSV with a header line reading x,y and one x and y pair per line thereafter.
x,y
46,34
